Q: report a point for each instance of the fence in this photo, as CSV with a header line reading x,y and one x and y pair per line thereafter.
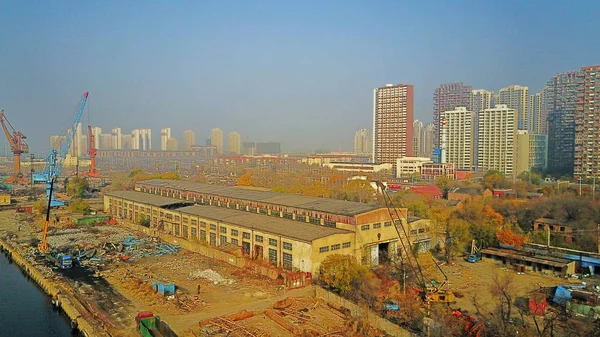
x,y
374,320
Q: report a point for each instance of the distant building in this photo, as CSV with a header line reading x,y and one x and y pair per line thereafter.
x,y
497,139
457,138
234,143
587,124
216,139
516,97
116,139
165,134
336,157
538,114
268,148
172,144
461,193
531,151
417,138
428,134
249,148
560,97
105,141
445,98
481,99
56,142
392,122
359,167
96,132
408,166
362,142
189,139
432,171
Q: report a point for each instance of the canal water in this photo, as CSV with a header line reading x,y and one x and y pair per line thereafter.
x,y
25,310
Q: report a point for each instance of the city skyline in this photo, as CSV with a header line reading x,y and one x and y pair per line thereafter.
x,y
299,82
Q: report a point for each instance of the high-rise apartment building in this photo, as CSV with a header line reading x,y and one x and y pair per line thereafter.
x,y
497,133
79,144
97,132
428,134
587,123
537,113
559,104
531,151
189,139
392,122
481,99
234,143
456,130
172,144
445,98
362,142
144,139
165,134
56,142
216,139
516,97
116,139
135,141
105,141
269,147
417,138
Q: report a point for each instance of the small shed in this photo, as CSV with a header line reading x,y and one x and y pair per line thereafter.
x,y
4,199
537,304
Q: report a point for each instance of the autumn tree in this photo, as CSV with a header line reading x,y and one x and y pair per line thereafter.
x,y
40,207
493,179
245,179
77,186
510,238
340,273
79,205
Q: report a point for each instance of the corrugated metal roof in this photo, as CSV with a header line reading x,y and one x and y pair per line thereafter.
x,y
302,231
339,207
146,198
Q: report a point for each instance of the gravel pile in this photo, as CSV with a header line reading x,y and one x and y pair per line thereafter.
x,y
211,275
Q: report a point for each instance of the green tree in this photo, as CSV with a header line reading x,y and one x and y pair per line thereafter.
x,y
77,186
444,183
492,179
340,273
40,207
143,220
79,205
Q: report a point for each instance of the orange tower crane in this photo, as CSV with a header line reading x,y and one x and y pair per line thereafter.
x,y
17,143
92,152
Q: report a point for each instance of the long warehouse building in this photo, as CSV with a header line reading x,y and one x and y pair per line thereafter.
x,y
373,239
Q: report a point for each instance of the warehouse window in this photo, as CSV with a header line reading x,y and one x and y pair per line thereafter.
x,y
177,218
387,223
346,245
213,227
223,239
377,225
365,227
195,222
287,246
186,219
235,242
202,235
287,261
213,239
194,232
177,231
324,249
185,231
258,238
335,247
234,232
246,236
223,229
273,242
273,256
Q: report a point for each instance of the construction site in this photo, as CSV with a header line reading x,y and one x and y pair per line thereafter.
x,y
180,258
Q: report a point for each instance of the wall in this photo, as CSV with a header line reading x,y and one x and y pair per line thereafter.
x,y
375,320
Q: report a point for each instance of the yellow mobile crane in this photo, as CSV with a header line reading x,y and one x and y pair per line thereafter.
x,y
429,292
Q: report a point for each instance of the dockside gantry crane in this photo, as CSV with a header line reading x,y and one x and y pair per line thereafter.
x,y
92,152
17,143
430,292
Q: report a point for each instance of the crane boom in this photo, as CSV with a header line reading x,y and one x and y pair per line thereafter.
x,y
92,152
17,143
55,160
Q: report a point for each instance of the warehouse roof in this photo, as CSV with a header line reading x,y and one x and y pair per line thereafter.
x,y
150,199
278,226
547,260
339,207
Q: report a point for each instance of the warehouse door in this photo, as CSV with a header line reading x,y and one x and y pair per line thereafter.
x,y
374,255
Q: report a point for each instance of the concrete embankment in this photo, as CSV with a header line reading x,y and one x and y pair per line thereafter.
x,y
80,318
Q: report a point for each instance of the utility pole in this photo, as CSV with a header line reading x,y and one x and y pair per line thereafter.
x,y
32,170
548,237
594,188
580,179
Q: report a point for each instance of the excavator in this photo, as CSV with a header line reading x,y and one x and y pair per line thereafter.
x,y
18,146
430,291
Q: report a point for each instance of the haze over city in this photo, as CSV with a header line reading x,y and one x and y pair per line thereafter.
x,y
301,74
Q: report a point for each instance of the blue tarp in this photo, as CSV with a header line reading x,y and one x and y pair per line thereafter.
x,y
563,293
165,289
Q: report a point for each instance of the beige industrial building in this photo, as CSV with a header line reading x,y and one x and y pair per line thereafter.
x,y
361,230
532,151
408,166
216,139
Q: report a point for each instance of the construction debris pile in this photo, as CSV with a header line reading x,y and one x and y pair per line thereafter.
x,y
144,247
210,275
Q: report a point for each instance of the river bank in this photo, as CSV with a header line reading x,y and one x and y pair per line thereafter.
x,y
61,294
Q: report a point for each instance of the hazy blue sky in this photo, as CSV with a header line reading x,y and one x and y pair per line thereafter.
x,y
298,72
